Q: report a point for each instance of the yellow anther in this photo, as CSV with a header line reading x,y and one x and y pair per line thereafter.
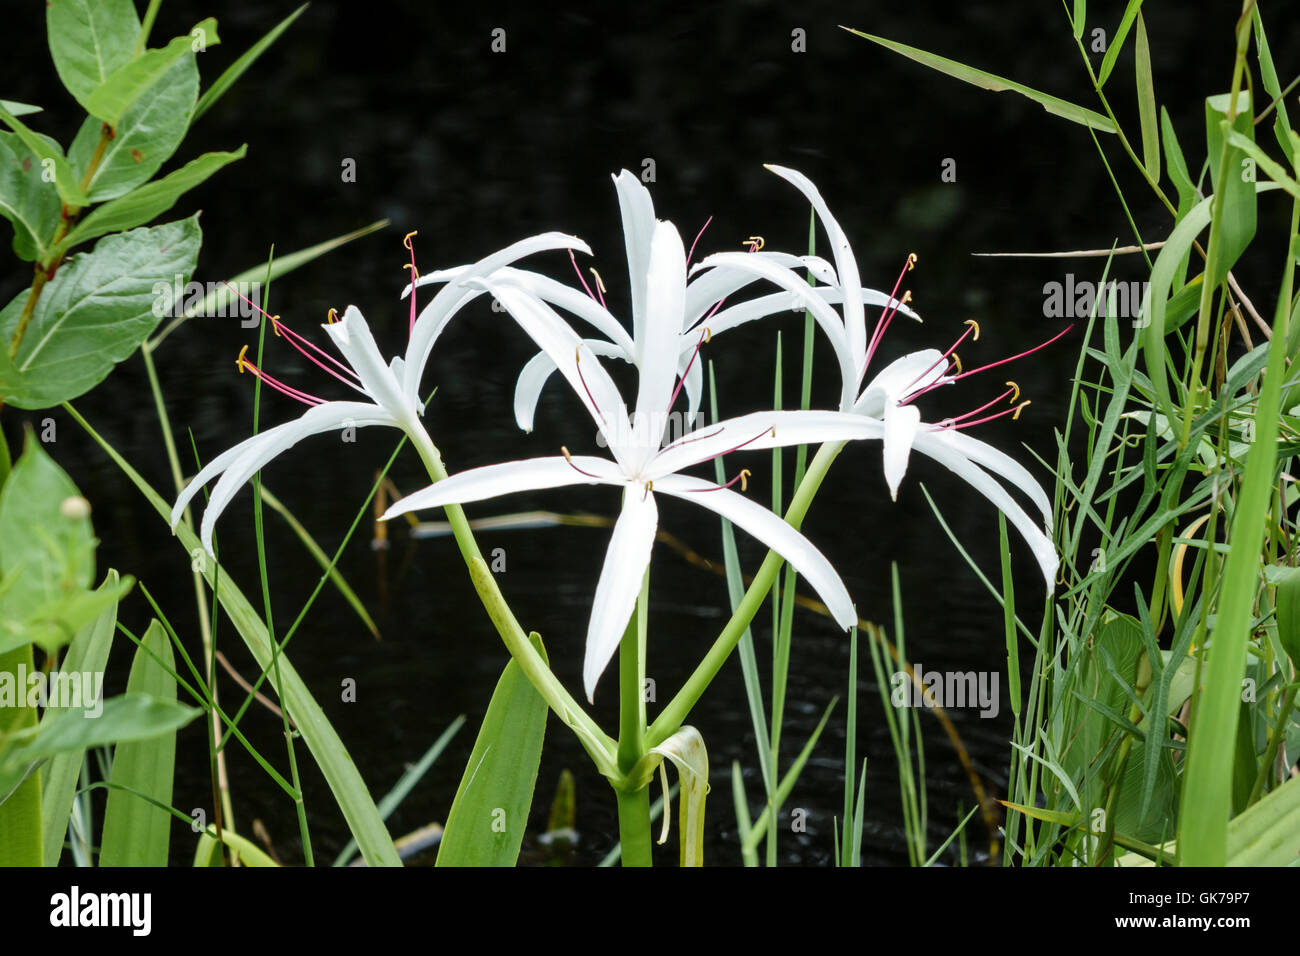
x,y
415,273
577,355
275,325
1015,388
649,487
707,334
907,297
332,316
744,479
755,243
239,362
974,325
1019,409
565,452
911,261
956,360
407,240
600,284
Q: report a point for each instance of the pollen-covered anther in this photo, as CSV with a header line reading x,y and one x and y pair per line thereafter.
x,y
956,361
239,362
332,316
415,273
275,325
755,243
907,297
1016,390
744,479
649,487
1020,408
569,458
600,283
974,325
911,261
406,240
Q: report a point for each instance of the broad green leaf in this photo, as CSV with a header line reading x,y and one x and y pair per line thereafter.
x,y
133,79
124,718
1080,15
88,653
26,199
47,546
20,792
1268,834
96,311
489,814
236,69
1146,95
1237,191
145,138
148,201
322,740
1117,43
1269,166
51,155
1288,611
136,833
989,81
53,623
89,39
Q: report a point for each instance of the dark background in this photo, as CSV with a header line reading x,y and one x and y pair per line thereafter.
x,y
474,150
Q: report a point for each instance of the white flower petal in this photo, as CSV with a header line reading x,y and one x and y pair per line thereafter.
x,y
450,300
659,337
748,311
491,481
901,424
238,464
772,531
943,452
536,372
762,430
587,376
638,212
353,339
826,317
901,378
846,265
693,370
999,463
626,560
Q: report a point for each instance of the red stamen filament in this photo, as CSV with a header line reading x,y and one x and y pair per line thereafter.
x,y
569,458
743,478
755,243
704,337
691,255
302,344
971,327
244,364
951,422
887,315
985,368
581,277
1013,393
577,365
415,277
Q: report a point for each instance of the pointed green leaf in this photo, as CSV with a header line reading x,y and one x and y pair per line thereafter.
x,y
148,201
19,109
1146,94
133,79
96,311
1288,611
26,199
136,833
489,815
51,156
989,81
236,69
1117,44
89,39
1237,210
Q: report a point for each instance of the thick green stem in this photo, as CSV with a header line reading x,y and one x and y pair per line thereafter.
x,y
675,713
634,827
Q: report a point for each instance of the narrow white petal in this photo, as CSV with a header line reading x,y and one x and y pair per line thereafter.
x,y
659,337
536,372
238,464
762,430
748,311
584,374
846,265
491,481
773,532
353,339
943,452
638,212
450,300
902,377
1001,464
901,424
620,582
694,385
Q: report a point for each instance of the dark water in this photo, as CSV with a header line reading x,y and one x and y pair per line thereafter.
x,y
476,149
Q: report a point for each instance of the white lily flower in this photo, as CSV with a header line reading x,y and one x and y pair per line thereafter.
x,y
889,396
640,466
390,390
701,300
